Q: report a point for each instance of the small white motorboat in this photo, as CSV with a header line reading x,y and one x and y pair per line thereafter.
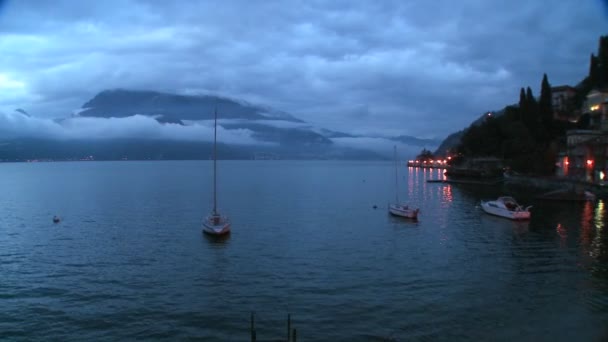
x,y
403,210
506,207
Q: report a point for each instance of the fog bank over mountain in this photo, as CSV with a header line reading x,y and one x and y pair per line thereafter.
x,y
137,116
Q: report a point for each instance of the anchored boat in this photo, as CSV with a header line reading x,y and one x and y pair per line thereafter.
x,y
506,207
215,223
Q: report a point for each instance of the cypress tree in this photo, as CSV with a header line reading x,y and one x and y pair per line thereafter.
x,y
522,98
523,104
532,119
545,107
602,59
593,72
530,100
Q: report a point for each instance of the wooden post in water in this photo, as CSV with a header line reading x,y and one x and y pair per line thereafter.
x,y
288,327
294,335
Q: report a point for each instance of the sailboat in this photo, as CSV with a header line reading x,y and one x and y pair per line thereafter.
x,y
400,209
215,223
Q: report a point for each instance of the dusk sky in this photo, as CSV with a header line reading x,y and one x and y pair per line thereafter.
x,y
420,68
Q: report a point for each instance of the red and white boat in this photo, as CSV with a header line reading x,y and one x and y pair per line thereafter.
x,y
506,207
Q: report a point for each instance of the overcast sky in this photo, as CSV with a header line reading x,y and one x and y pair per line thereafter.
x,y
415,67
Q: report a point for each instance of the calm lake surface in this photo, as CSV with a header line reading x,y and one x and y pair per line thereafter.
x,y
129,261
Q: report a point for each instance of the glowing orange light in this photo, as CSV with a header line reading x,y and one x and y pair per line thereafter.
x,y
449,158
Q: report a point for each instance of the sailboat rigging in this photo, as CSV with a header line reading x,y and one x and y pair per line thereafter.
x,y
399,209
215,223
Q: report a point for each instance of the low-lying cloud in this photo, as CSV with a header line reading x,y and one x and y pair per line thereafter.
x,y
382,146
426,68
17,125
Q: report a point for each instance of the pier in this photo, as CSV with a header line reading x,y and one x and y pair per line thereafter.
x,y
428,164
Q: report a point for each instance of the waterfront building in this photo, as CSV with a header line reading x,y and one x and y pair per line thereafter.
x,y
585,159
562,100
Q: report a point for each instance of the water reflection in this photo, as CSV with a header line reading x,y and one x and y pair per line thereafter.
x,y
600,212
587,216
520,228
402,221
411,180
563,235
598,242
446,193
217,241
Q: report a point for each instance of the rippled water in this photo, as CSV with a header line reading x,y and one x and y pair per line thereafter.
x,y
129,261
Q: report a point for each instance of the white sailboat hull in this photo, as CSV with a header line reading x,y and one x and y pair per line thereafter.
x,y
219,225
403,211
518,214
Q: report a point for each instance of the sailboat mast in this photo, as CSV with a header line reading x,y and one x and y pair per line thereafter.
x,y
396,177
215,164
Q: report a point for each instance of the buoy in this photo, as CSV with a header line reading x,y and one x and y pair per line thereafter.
x,y
375,206
56,219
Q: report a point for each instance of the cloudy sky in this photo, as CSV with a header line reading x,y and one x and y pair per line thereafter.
x,y
416,67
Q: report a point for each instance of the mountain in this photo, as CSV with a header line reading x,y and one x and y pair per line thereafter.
x,y
409,140
145,149
167,107
453,140
136,124
450,142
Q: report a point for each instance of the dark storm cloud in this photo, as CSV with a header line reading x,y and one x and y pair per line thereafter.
x,y
423,68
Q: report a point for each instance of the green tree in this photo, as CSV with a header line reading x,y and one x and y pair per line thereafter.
x,y
523,105
545,106
425,155
530,115
594,72
530,99
602,59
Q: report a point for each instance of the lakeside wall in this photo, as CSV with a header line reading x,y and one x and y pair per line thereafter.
x,y
554,183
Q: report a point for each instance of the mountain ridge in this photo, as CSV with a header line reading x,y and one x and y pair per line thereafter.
x,y
137,117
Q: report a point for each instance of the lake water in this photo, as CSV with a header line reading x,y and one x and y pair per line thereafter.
x,y
129,261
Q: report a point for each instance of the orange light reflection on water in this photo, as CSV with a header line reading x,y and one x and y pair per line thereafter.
x,y
592,224
586,220
412,176
447,193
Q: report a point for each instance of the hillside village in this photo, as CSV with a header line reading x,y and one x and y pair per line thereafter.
x,y
562,133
